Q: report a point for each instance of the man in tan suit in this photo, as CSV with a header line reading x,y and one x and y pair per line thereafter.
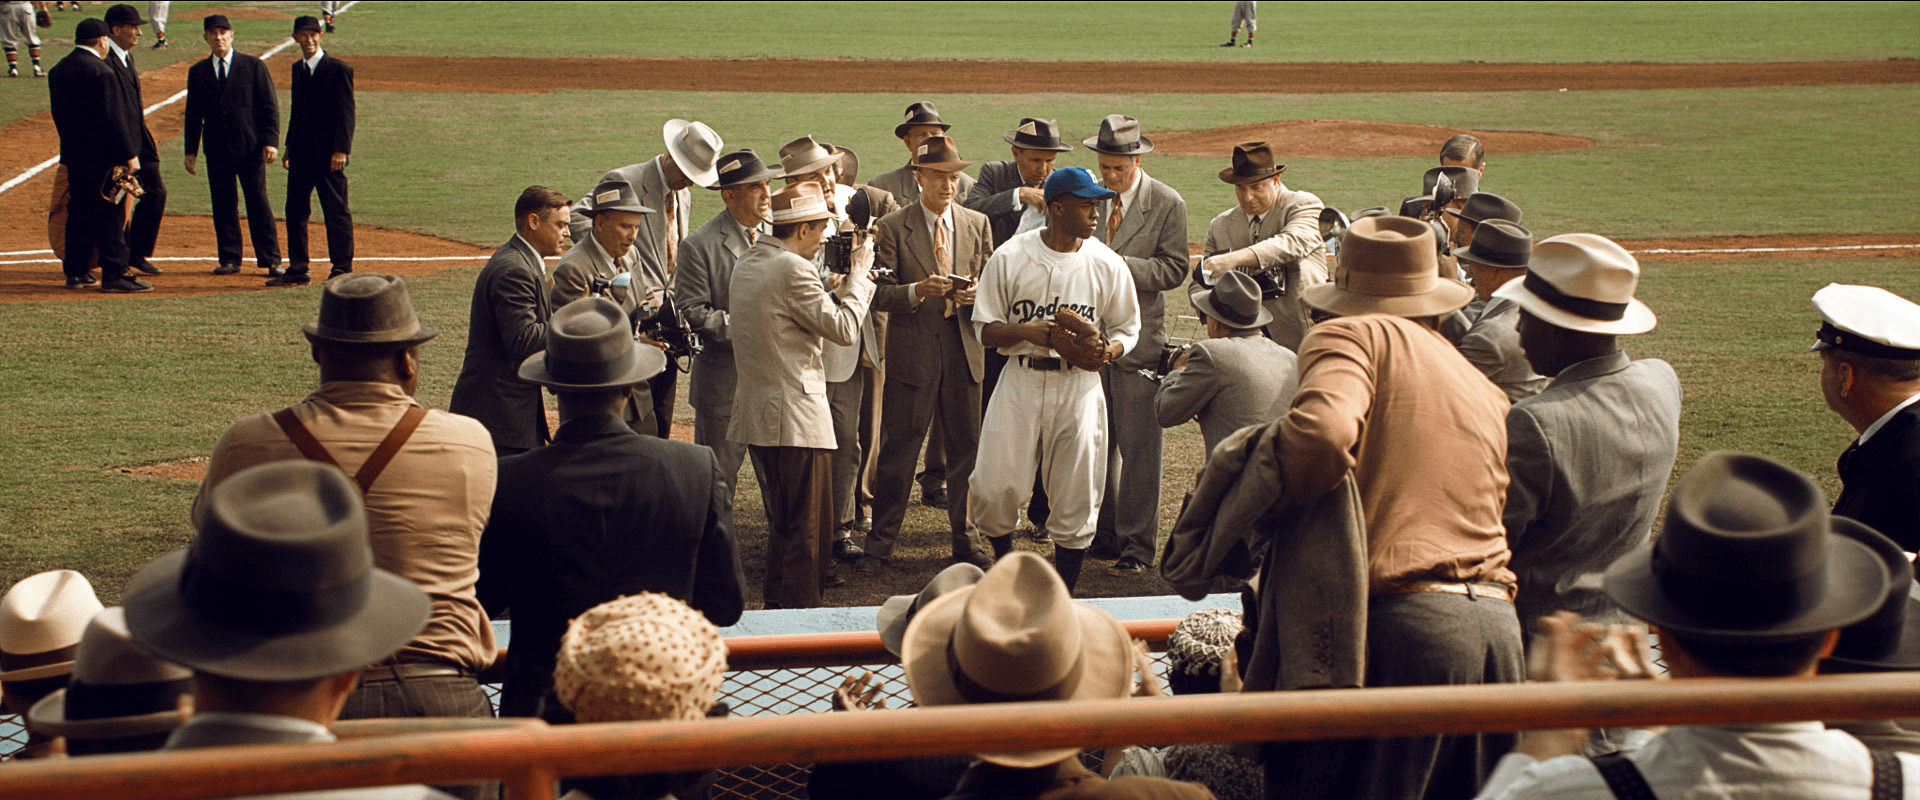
x,y
1274,231
782,314
935,248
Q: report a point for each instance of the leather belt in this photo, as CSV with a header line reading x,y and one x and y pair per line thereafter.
x,y
1491,591
1043,364
424,669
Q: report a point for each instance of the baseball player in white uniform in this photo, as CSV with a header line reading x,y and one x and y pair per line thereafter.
x,y
1047,414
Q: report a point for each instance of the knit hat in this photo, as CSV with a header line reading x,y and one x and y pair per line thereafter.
x,y
1201,642
641,657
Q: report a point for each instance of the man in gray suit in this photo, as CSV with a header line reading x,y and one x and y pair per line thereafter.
x,y
1008,192
1497,255
703,270
605,256
1590,455
1146,223
783,314
935,248
1235,378
508,322
1273,232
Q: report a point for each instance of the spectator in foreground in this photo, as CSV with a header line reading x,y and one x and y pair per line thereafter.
x,y
41,622
120,700
1012,638
1201,660
276,608
1888,641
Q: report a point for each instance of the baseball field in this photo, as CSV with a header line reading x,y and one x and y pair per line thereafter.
x,y
1749,153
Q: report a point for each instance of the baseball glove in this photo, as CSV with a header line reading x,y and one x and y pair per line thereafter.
x,y
42,19
1078,341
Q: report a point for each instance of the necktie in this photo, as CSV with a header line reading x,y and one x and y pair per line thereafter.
x,y
943,256
220,70
1253,230
1113,221
752,234
673,230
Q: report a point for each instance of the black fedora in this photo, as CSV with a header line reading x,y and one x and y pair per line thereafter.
x,y
1483,206
1499,243
920,113
1415,206
364,308
1252,163
1234,300
1034,133
1119,136
742,167
1890,639
278,585
614,195
1748,555
590,346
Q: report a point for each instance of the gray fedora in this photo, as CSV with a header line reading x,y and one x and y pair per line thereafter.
x,y
118,690
804,156
278,585
899,609
1483,206
1499,243
1234,300
1119,136
1035,133
742,167
364,308
920,113
614,196
1748,555
590,346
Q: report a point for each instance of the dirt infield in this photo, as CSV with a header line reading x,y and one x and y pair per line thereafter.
x,y
1340,138
530,75
233,13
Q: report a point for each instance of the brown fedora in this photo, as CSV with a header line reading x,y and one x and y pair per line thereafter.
x,y
1034,133
590,346
899,610
1234,300
364,308
849,172
938,153
1119,136
1252,162
1388,265
1748,554
920,113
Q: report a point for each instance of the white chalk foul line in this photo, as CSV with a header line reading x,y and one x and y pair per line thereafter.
x,y
213,259
1665,251
48,164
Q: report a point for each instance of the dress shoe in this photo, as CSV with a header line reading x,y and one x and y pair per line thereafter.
x,y
1036,535
847,550
869,564
79,281
125,286
973,557
227,269
834,578
338,272
1127,567
289,280
145,267
275,271
863,524
934,499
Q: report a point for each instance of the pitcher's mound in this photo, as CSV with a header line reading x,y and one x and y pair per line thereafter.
x,y
1339,138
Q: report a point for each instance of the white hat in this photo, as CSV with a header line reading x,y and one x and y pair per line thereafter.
x,y
1582,282
1867,320
118,690
41,619
695,148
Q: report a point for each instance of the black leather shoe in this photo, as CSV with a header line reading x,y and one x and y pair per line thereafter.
x,y
338,272
974,557
863,524
1127,567
869,564
1036,535
146,267
834,578
934,499
289,280
227,269
276,271
80,281
846,550
125,286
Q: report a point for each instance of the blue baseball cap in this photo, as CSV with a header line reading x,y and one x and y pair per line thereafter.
x,y
1076,181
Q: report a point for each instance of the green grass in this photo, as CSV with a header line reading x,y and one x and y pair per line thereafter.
x,y
1145,31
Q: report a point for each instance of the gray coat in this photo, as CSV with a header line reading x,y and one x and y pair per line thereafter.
x,y
1229,383
650,188
1289,238
993,195
506,323
1590,457
1492,345
1153,241
700,289
586,260
785,315
223,730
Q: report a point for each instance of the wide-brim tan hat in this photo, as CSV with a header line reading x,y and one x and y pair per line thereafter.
x,y
804,156
1016,636
695,148
42,619
1582,282
1388,265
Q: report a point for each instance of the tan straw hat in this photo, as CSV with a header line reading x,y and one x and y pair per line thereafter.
x,y
1582,282
1389,266
694,147
41,619
801,202
642,657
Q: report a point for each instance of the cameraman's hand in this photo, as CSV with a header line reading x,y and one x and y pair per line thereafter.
x,y
645,339
933,286
834,280
862,260
1180,361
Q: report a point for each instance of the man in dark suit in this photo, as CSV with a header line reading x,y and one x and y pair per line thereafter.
x,y
1008,192
603,512
319,137
123,22
86,101
508,322
936,360
1147,225
230,98
1869,345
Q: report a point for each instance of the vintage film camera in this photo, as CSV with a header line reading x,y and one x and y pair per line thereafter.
x,y
1169,353
837,252
662,322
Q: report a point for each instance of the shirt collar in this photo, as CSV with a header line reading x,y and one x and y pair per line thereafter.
x,y
944,218
342,393
1882,421
115,47
314,63
536,253
1126,197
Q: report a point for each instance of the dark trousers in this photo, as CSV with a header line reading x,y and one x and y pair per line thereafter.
x,y
94,228
663,387
906,413
440,696
1420,639
796,488
304,180
1130,516
251,176
144,231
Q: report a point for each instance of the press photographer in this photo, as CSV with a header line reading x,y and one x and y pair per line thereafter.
x,y
1236,377
1274,233
606,263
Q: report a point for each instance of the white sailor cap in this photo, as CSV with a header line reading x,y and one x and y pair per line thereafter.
x,y
1867,320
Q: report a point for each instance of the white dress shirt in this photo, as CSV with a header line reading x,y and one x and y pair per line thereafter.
x,y
1785,760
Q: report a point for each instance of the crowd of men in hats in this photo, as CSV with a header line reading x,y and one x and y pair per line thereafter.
x,y
1436,404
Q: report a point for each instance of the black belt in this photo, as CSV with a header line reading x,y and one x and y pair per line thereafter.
x,y
1043,364
425,669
